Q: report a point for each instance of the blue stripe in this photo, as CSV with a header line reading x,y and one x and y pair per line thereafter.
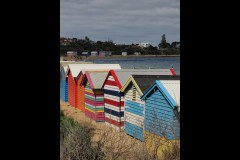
x,y
133,130
63,90
133,107
115,113
114,93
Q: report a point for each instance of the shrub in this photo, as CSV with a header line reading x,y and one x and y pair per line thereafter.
x,y
75,141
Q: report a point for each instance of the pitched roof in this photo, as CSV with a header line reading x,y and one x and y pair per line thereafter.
x,y
77,68
96,78
66,63
65,68
173,88
124,74
145,81
170,88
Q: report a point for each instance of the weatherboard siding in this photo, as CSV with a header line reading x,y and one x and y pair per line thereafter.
x,y
134,114
80,94
63,86
159,116
94,103
71,90
113,104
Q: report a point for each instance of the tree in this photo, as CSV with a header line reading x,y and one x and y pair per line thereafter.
x,y
163,43
87,39
175,44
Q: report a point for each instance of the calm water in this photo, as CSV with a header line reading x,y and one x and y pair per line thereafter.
x,y
144,62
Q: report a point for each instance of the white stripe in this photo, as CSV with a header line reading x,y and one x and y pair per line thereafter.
x,y
100,107
134,119
109,87
89,104
109,106
111,97
110,78
114,117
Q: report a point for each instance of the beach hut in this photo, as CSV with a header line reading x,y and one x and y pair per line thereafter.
x,y
94,53
124,53
94,101
76,72
113,97
133,89
64,78
63,84
162,108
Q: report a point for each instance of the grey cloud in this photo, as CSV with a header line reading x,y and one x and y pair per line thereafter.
x,y
123,21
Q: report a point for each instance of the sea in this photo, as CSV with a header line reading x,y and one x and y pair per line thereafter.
x,y
143,62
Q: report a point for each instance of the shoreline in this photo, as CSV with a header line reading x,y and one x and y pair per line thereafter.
x,y
129,56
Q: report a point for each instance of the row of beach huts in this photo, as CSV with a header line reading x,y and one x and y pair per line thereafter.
x,y
139,102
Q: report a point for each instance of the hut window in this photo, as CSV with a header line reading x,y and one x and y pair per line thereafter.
x,y
133,93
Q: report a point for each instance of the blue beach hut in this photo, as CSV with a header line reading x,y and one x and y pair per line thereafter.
x,y
63,84
162,108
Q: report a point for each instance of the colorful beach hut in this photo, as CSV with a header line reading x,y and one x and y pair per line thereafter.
x,y
63,84
133,89
162,108
76,72
113,97
94,101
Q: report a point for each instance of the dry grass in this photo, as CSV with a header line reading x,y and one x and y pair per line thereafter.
x,y
119,146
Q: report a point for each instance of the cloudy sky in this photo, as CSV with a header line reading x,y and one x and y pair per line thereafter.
x,y
122,21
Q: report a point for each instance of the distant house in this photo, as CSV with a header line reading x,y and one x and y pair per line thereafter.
x,y
71,53
104,53
84,54
94,53
124,53
137,53
144,44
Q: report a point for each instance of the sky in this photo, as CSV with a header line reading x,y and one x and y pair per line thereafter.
x,y
122,21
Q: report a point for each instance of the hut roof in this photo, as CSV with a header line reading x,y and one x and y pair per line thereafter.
x,y
77,68
123,74
170,87
96,78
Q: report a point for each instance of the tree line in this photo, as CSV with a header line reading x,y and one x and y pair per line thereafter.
x,y
88,45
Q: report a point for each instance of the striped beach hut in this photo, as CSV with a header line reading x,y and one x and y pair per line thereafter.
x,y
133,89
94,101
162,108
113,97
63,84
76,72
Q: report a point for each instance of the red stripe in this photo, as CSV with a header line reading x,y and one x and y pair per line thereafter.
x,y
111,83
173,72
114,103
88,101
111,121
116,79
